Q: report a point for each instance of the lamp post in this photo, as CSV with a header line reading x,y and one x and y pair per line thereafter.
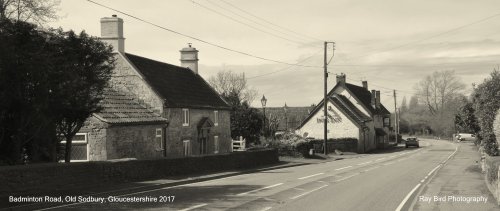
x,y
285,108
264,101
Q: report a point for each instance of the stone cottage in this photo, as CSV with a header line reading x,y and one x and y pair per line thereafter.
x,y
353,112
166,110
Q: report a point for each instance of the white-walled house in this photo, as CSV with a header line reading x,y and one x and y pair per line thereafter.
x,y
353,112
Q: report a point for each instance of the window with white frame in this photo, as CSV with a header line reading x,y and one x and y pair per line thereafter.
x,y
79,147
216,144
187,147
159,138
185,114
216,118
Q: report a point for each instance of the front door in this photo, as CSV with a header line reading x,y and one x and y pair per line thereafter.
x,y
204,140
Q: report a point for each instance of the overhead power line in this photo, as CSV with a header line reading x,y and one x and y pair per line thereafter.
x,y
258,23
430,37
245,24
198,39
268,22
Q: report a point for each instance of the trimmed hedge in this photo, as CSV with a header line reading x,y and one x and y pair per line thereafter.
x,y
490,168
342,144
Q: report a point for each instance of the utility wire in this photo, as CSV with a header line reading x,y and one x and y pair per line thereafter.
x,y
256,22
245,24
262,19
198,39
430,37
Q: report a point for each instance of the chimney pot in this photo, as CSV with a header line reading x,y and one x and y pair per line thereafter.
x,y
341,78
365,84
377,99
112,32
373,102
189,58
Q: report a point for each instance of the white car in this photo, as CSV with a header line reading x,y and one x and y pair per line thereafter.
x,y
466,137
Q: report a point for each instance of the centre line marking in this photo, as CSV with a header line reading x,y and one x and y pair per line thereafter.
x,y
308,192
364,163
311,176
346,177
379,159
267,187
266,208
194,207
343,168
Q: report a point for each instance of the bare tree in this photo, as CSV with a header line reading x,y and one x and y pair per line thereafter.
x,y
226,82
36,11
439,89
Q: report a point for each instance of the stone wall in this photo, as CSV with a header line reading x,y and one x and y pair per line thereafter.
x,y
177,133
46,179
133,141
96,138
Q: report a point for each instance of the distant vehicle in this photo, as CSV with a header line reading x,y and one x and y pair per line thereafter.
x,y
466,137
412,141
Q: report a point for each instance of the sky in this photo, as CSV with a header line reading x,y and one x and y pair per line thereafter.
x,y
393,44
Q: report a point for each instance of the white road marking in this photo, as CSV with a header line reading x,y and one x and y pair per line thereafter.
x,y
376,167
386,164
267,187
308,192
433,170
407,197
311,176
346,177
379,159
266,208
194,207
364,163
299,189
343,168
321,181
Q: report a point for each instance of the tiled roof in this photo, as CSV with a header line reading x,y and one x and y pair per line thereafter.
x,y
349,109
366,97
179,86
120,108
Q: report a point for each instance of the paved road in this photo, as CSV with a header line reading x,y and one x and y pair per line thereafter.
x,y
385,181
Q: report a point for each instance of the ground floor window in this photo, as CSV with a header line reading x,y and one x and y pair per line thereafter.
x,y
159,138
187,147
79,147
216,144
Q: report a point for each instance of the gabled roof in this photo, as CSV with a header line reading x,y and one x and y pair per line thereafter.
x,y
345,106
364,96
179,86
120,108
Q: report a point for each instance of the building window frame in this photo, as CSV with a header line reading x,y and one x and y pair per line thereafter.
x,y
79,142
159,138
216,118
185,115
186,145
216,144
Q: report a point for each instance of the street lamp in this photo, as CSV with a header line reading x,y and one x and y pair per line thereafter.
x,y
264,101
285,108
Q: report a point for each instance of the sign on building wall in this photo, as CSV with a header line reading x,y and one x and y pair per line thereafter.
x,y
333,116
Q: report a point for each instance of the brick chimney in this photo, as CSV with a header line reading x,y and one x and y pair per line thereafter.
x,y
373,101
189,58
365,84
341,78
112,33
377,99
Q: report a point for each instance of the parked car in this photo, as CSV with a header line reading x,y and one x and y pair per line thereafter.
x,y
466,137
412,141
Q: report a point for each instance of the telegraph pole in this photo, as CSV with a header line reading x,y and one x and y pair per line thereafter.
x,y
396,119
325,111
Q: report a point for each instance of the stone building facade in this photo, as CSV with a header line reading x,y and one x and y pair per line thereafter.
x,y
175,112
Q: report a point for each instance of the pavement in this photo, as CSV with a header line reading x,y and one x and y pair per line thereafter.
x,y
458,185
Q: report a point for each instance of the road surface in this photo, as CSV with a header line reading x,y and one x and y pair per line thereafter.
x,y
383,181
